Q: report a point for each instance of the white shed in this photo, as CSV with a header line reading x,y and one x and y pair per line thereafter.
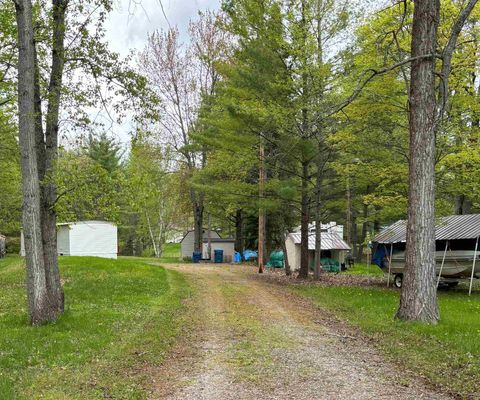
x,y
86,238
187,243
227,245
333,246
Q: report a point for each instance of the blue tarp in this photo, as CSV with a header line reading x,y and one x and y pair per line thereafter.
x,y
237,257
378,257
249,255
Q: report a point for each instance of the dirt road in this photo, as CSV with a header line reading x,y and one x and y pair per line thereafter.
x,y
252,340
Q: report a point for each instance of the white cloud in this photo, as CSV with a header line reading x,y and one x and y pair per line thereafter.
x,y
131,21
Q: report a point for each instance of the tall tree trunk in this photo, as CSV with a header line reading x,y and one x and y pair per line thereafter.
x,y
198,225
288,269
239,240
354,233
363,237
318,217
261,212
462,205
49,189
418,300
40,309
305,219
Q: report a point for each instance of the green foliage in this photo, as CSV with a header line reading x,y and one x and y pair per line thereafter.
x,y
153,197
121,316
86,190
105,151
10,180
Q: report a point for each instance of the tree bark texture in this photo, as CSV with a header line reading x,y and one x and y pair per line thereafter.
x,y
198,209
40,308
239,240
418,300
305,219
261,211
318,217
49,190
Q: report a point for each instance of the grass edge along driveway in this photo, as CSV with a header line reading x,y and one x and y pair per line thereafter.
x,y
447,354
121,318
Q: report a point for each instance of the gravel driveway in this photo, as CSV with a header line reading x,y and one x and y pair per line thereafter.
x,y
253,340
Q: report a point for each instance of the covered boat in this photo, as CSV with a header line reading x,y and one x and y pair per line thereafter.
x,y
456,238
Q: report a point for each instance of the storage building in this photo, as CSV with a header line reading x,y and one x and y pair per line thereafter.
x,y
187,243
227,245
333,247
85,238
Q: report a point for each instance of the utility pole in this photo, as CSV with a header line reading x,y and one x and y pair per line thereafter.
x,y
209,234
261,211
349,212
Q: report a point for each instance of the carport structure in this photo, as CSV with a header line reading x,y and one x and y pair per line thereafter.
x,y
461,230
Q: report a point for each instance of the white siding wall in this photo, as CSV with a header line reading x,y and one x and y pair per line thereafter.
x,y
186,247
63,241
227,247
97,239
293,254
87,238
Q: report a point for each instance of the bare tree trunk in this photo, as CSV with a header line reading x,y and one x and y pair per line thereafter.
x,y
318,217
198,225
239,240
365,224
152,236
40,309
418,300
49,189
305,219
288,270
209,235
354,232
261,212
462,205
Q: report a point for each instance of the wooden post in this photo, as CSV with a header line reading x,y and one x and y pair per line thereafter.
x,y
261,211
349,213
443,262
390,264
473,267
209,235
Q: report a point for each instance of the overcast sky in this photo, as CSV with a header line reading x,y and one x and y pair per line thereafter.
x,y
131,21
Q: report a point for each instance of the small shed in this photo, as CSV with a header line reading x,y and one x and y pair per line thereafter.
x,y
227,245
333,246
187,243
85,238
3,246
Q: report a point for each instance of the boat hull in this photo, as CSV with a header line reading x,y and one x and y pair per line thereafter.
x,y
458,264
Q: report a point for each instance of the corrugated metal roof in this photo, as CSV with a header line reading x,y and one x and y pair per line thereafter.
x,y
330,241
447,228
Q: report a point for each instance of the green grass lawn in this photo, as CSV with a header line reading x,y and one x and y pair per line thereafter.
x,y
364,269
121,317
447,354
171,252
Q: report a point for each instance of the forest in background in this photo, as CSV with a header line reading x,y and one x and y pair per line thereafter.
x,y
272,75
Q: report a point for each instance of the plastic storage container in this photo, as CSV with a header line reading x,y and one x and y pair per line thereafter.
x,y
218,256
196,256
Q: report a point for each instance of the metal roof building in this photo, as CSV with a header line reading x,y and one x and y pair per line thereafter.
x,y
452,227
330,241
